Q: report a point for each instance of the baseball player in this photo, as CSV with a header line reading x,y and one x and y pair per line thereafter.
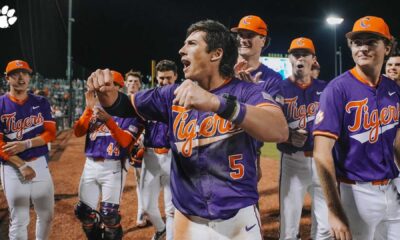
x,y
300,96
359,118
253,37
214,120
107,139
26,126
392,68
133,83
157,163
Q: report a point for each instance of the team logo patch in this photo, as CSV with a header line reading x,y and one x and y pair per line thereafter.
x,y
300,42
364,23
280,99
319,117
19,64
246,20
266,96
133,129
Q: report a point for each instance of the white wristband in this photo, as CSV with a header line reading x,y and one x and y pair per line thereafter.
x,y
28,144
23,167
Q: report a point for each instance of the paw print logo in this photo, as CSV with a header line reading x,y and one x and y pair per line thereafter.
x,y
7,17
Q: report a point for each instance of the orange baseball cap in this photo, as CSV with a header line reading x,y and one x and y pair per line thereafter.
x,y
370,24
17,64
302,43
118,79
252,23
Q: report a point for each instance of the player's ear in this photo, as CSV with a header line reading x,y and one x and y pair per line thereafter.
x,y
388,50
217,54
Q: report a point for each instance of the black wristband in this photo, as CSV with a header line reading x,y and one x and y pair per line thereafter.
x,y
229,106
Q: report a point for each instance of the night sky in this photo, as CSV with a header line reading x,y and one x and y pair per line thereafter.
x,y
128,34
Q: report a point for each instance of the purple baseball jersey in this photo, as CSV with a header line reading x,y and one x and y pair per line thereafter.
x,y
269,79
364,120
214,169
156,135
300,105
21,121
100,143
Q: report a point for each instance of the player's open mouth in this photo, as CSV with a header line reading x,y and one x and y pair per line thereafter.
x,y
185,63
300,65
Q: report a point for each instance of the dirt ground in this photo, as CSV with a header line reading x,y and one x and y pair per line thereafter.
x,y
67,161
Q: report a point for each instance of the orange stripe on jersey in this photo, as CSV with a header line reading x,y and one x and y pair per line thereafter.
x,y
122,137
267,105
16,100
82,125
325,134
3,154
50,131
354,72
134,106
178,108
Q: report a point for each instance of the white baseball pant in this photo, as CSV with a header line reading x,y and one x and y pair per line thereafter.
x,y
245,225
18,194
372,210
298,176
105,177
155,175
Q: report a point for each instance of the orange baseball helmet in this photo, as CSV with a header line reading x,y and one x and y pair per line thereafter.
x,y
370,24
118,78
17,64
252,23
302,43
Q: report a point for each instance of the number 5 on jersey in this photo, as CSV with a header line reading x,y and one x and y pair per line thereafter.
x,y
237,169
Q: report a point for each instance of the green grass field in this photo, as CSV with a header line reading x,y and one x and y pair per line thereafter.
x,y
269,150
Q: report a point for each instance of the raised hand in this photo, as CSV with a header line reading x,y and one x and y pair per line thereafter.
x,y
91,99
191,96
101,82
101,114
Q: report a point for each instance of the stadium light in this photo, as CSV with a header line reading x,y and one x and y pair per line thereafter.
x,y
334,21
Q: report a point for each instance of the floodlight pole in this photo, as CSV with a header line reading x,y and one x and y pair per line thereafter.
x,y
69,61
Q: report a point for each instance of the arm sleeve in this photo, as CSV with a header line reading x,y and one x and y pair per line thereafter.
x,y
49,124
155,104
122,107
123,138
82,125
329,119
3,155
49,133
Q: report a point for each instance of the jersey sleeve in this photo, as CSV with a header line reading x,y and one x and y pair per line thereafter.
x,y
329,119
256,96
46,111
272,85
154,104
128,132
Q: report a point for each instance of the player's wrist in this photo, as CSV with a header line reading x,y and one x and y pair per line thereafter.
x,y
230,109
28,144
23,166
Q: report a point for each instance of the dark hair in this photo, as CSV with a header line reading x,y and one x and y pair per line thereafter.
x,y
218,36
137,74
166,65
